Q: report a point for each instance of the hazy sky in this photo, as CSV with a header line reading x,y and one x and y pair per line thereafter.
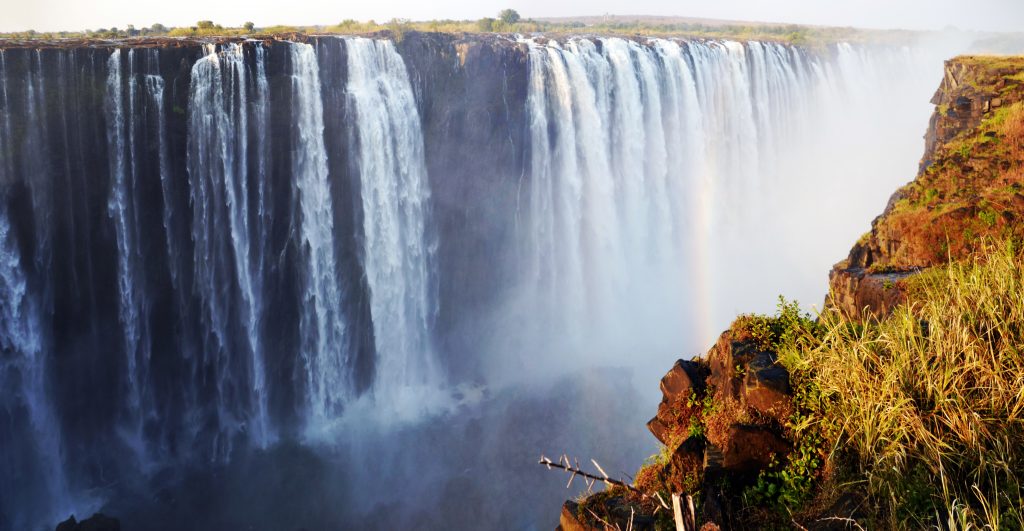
x,y
55,15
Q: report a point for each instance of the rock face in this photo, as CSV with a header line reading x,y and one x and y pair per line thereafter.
x,y
723,416
684,381
969,187
97,522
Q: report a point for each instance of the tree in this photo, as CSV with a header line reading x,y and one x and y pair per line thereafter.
x,y
486,24
158,28
509,16
248,26
204,24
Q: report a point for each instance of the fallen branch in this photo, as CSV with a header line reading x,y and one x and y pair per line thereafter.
x,y
564,464
574,470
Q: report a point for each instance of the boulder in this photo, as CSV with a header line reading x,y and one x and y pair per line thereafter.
x,y
766,386
686,466
683,379
751,448
658,429
733,349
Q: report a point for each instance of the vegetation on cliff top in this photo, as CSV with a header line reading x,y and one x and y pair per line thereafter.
x,y
930,399
916,420
971,186
508,21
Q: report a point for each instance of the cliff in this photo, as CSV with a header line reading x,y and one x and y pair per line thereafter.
x,y
969,188
225,251
849,418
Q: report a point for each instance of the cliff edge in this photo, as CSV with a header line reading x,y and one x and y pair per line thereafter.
x,y
969,187
897,407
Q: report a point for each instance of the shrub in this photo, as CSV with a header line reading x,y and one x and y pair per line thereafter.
x,y
485,24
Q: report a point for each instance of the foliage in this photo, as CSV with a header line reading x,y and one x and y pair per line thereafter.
x,y
930,399
509,16
398,27
787,328
509,21
486,24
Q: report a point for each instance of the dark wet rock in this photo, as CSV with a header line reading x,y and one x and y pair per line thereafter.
x,y
96,522
766,386
751,448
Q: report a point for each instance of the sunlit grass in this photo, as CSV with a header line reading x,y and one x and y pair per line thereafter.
x,y
931,399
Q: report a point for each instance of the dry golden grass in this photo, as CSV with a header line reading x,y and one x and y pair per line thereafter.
x,y
1013,131
931,399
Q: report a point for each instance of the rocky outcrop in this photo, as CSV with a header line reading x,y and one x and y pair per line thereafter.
x,y
725,418
97,522
679,387
968,188
722,419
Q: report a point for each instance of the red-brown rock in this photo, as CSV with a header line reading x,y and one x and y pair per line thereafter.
x,y
766,387
751,448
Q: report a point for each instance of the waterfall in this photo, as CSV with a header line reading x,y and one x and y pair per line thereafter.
x,y
613,139
640,154
327,367
309,255
227,233
122,208
26,401
398,255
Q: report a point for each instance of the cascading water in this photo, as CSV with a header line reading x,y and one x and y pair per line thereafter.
x,y
121,126
398,254
221,181
210,253
640,155
33,468
328,371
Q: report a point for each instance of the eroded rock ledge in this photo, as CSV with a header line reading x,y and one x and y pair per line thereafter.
x,y
967,189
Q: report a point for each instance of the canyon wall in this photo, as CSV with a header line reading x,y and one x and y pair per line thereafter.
x,y
214,248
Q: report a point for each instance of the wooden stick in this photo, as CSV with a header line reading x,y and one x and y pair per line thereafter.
x,y
691,513
677,511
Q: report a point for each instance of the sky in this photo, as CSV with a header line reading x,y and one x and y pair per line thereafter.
x,y
59,15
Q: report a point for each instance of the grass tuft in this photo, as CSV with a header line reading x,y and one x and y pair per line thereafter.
x,y
931,399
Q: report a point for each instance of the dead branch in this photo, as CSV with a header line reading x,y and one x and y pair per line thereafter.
x,y
564,464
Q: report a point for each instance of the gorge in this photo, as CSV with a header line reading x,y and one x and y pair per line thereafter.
x,y
358,280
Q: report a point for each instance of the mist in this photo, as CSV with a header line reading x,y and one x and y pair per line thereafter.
x,y
568,357
446,327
